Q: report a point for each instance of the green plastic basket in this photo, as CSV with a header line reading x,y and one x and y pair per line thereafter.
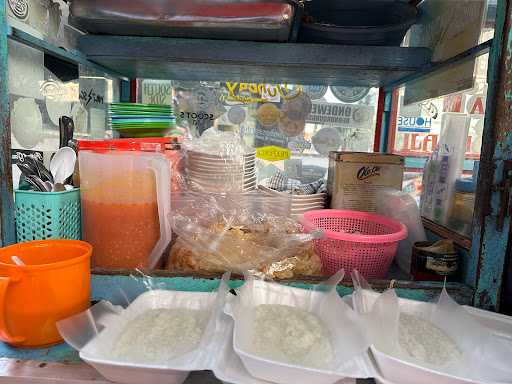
x,y
48,215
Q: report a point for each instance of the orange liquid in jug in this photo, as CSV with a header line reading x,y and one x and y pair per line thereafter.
x,y
123,235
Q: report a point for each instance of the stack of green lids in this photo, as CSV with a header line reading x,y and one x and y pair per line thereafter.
x,y
141,120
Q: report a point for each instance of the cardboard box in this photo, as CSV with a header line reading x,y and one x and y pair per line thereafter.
x,y
355,178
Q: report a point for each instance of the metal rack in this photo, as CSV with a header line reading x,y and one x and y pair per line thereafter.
x,y
384,67
388,68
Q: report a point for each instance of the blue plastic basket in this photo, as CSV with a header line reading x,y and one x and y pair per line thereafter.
x,y
48,215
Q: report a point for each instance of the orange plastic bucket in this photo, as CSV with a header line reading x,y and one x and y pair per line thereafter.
x,y
53,285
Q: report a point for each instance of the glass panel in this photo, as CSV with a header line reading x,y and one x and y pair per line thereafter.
x,y
38,98
292,128
441,139
45,19
266,115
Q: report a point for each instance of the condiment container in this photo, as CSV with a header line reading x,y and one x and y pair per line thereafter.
x,y
434,261
461,213
53,283
355,178
125,205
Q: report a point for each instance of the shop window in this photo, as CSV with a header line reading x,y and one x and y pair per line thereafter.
x,y
441,140
293,127
38,98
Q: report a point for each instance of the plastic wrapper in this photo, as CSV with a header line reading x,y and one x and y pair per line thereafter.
x,y
183,258
238,232
219,162
444,167
346,331
484,356
96,331
402,207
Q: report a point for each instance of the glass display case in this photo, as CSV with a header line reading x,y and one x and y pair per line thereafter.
x,y
306,100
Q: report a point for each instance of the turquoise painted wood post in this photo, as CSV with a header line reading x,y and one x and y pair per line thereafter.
x,y
491,219
7,228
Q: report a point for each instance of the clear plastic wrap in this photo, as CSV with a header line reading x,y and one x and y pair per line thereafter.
x,y
484,356
96,331
346,332
219,162
402,207
238,232
184,258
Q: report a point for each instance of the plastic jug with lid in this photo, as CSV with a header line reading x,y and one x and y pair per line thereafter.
x,y
126,202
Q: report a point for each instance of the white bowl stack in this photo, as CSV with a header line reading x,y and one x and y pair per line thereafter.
x,y
300,204
304,203
221,173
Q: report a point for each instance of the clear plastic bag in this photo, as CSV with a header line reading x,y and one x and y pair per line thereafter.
x,y
483,356
96,331
219,162
402,207
345,329
238,232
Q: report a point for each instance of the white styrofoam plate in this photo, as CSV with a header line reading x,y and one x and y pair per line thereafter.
x,y
128,373
304,210
319,204
395,370
217,168
295,198
204,162
204,156
222,182
220,174
306,198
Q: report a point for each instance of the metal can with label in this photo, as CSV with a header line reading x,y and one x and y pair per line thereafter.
x,y
434,261
355,178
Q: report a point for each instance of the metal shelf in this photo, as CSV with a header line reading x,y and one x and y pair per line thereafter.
x,y
43,46
223,60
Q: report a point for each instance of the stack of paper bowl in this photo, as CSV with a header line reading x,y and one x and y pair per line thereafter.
x,y
300,204
221,173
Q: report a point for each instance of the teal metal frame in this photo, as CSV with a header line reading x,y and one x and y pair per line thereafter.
x,y
7,229
492,213
485,263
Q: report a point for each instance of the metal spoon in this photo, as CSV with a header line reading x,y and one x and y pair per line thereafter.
x,y
26,169
37,182
44,173
49,186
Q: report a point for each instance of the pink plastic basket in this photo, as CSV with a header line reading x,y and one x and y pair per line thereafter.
x,y
355,240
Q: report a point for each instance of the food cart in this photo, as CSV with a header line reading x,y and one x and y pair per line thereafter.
x,y
485,280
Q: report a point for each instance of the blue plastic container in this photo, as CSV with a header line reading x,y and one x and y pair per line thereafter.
x,y
48,215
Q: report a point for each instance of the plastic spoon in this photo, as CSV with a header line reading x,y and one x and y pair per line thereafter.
x,y
63,164
16,260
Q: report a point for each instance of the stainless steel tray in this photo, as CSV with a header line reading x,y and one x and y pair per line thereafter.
x,y
257,20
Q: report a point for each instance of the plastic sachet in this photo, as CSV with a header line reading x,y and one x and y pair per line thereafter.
x,y
483,356
346,332
96,332
238,232
219,162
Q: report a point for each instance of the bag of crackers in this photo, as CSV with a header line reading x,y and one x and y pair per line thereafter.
x,y
240,232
